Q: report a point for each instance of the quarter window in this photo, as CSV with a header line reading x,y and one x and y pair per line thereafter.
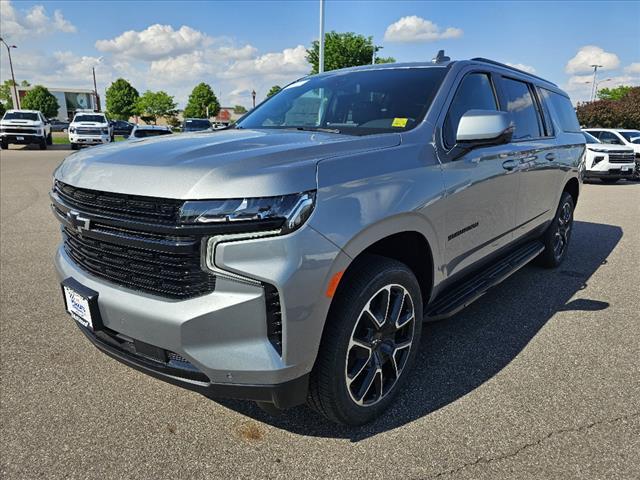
x,y
474,93
524,114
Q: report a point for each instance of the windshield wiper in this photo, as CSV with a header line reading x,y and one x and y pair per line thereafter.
x,y
319,129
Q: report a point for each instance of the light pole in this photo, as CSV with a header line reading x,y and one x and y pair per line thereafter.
x,y
598,84
321,49
593,86
253,96
13,77
95,86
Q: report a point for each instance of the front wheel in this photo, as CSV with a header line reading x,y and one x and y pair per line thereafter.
x,y
370,341
49,140
43,143
4,145
557,236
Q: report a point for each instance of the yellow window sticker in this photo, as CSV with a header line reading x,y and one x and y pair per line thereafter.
x,y
399,122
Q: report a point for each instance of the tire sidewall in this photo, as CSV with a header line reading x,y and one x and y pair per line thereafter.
x,y
566,198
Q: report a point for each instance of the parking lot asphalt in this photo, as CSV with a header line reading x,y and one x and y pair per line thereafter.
x,y
538,379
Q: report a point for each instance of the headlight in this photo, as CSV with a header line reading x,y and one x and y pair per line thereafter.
x,y
72,129
284,214
105,131
599,150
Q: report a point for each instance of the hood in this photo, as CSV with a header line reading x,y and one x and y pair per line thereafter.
x,y
213,165
21,123
606,147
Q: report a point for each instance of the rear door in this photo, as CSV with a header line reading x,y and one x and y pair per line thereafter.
x,y
536,154
481,186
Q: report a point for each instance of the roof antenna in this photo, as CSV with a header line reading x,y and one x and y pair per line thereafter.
x,y
440,57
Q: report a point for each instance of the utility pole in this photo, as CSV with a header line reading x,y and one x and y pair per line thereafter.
x,y
321,49
593,86
13,77
95,88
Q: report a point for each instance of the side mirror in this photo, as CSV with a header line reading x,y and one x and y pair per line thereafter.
x,y
484,127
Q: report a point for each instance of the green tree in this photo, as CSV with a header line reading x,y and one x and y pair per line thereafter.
x,y
2,109
201,99
122,99
343,50
152,105
613,93
239,109
622,113
5,92
39,98
275,89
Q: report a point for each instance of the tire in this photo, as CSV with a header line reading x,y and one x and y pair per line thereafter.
x,y
557,237
4,145
609,181
49,140
373,282
43,143
74,146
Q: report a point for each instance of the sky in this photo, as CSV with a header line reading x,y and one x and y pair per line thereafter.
x,y
242,46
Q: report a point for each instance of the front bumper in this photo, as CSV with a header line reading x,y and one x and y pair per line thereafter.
x,y
89,139
614,171
223,334
21,139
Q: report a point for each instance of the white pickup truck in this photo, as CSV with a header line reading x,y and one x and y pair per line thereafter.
x,y
90,128
24,127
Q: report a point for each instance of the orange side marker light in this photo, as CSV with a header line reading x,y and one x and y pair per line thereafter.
x,y
333,284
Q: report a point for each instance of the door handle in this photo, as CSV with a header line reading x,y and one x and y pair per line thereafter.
x,y
550,156
509,164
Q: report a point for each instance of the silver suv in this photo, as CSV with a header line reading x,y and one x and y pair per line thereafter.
x,y
294,257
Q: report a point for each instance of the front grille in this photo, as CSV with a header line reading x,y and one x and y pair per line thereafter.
x,y
19,130
173,275
128,207
621,157
88,131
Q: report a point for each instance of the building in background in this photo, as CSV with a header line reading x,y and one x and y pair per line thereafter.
x,y
226,116
69,100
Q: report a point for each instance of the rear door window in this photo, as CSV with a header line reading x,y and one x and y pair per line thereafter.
x,y
523,109
475,92
563,109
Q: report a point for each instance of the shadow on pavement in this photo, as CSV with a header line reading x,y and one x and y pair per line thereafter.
x,y
460,354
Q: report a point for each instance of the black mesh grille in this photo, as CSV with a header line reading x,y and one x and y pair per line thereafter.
x,y
19,130
621,157
171,275
274,316
129,207
88,131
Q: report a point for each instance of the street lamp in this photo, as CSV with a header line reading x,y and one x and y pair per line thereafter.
x,y
593,89
13,77
253,95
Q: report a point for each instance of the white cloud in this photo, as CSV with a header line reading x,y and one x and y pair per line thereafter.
x,y
523,67
156,41
417,29
287,63
633,68
592,55
35,21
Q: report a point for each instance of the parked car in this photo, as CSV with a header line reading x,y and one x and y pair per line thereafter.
x,y
295,257
24,127
195,124
58,125
607,162
620,136
121,127
90,128
145,131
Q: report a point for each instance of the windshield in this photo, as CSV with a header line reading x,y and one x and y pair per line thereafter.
x,y
90,118
356,102
590,138
630,135
21,116
150,133
195,125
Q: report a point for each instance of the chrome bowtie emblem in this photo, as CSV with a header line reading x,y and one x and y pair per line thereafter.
x,y
77,221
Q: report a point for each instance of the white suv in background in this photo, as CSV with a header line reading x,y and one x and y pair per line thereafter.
x,y
90,128
620,136
608,162
24,127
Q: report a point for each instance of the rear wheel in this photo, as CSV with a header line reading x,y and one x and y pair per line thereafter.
x,y
370,341
609,180
557,236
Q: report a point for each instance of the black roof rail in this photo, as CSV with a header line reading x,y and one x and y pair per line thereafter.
x,y
509,67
